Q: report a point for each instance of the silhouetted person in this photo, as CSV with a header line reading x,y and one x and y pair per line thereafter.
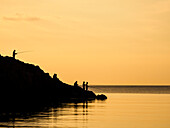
x,y
14,53
55,79
84,85
55,76
87,86
75,84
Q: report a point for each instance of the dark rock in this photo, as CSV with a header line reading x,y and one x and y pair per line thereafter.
x,y
25,82
101,97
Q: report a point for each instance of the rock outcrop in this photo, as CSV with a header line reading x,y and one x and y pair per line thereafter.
x,y
21,81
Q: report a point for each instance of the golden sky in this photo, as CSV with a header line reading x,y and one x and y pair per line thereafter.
x,y
100,41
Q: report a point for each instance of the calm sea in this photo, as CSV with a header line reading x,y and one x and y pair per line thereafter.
x,y
126,107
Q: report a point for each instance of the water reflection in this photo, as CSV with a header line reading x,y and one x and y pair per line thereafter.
x,y
118,111
56,115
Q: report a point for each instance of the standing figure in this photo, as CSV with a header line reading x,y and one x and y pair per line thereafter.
x,y
84,85
75,84
87,86
14,53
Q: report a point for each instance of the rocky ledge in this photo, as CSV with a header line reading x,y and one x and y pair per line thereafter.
x,y
21,81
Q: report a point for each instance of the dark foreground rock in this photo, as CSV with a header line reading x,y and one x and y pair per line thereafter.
x,y
22,82
101,97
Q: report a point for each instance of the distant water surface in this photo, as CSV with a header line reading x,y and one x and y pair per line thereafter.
x,y
120,110
131,89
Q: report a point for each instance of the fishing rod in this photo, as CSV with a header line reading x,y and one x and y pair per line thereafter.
x,y
23,52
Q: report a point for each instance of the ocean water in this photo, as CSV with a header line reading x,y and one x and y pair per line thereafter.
x,y
128,109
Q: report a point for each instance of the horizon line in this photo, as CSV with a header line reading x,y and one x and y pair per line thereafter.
x,y
131,85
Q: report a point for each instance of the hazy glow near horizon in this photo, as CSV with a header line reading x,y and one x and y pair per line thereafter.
x,y
102,42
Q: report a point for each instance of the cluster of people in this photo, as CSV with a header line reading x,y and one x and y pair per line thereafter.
x,y
85,85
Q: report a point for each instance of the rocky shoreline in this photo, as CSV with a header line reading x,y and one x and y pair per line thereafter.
x,y
23,82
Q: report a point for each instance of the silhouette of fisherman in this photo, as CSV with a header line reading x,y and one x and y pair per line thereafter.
x,y
75,84
87,86
14,53
84,85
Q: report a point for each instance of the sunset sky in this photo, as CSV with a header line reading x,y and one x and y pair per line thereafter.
x,y
104,42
